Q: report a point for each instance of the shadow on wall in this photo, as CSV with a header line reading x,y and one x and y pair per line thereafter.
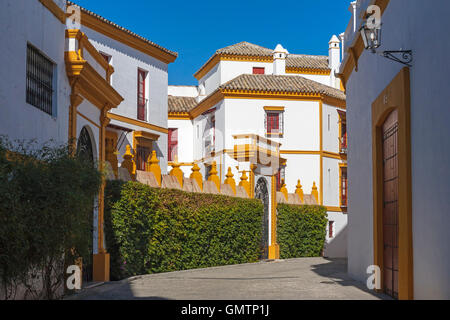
x,y
336,270
336,247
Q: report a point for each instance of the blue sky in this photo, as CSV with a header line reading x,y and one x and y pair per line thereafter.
x,y
197,28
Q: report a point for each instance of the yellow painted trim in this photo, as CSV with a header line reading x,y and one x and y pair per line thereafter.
x,y
138,123
274,108
115,33
182,164
54,9
274,248
227,57
395,96
179,116
146,135
321,72
336,209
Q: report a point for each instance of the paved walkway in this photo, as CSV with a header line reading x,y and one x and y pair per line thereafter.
x,y
296,279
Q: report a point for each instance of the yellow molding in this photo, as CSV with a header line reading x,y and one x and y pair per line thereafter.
x,y
146,135
122,36
182,164
228,57
296,70
138,123
336,209
179,116
274,108
54,9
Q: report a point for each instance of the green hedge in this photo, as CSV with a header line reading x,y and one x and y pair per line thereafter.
x,y
152,230
46,205
301,230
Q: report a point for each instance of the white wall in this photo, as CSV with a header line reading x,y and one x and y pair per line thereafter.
x,y
25,21
183,91
407,25
185,139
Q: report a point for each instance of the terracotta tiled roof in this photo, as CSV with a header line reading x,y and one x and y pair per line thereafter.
x,y
124,29
252,50
181,104
278,83
307,61
246,49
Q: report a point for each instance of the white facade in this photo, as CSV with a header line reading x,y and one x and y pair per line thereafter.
x,y
420,26
300,142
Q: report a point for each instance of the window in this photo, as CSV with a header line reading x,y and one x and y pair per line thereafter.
x,y
330,229
280,177
173,144
342,132
142,101
40,74
258,70
142,154
343,186
274,123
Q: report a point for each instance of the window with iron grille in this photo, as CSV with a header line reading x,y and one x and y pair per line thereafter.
x,y
40,73
142,154
173,144
274,123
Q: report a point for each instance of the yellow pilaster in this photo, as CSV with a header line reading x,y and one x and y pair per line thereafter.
x,y
274,248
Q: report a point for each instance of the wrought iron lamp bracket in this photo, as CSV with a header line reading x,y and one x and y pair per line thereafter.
x,y
402,56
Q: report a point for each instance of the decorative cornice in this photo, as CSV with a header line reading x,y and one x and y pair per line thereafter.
x,y
138,123
126,38
324,72
179,116
228,57
54,9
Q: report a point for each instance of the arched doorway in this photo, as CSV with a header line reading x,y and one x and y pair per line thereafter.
x,y
85,150
262,193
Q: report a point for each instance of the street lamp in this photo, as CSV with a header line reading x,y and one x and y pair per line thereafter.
x,y
371,36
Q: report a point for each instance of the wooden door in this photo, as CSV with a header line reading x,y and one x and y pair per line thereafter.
x,y
390,204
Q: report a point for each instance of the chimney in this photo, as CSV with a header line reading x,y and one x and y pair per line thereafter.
x,y
279,60
334,59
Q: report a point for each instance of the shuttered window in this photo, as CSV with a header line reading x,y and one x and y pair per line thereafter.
x,y
258,70
173,144
40,72
344,187
273,123
330,229
142,101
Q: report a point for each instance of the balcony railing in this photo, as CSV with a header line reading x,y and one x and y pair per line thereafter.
x,y
142,107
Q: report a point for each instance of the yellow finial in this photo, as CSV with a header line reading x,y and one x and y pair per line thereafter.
x,y
315,192
299,191
284,189
177,172
128,162
196,175
213,175
230,181
244,182
154,167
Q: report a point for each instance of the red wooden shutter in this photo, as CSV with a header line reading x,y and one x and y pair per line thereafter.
x,y
141,95
173,144
344,187
273,122
258,70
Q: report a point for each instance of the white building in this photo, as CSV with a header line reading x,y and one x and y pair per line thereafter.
x,y
399,197
82,80
269,113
